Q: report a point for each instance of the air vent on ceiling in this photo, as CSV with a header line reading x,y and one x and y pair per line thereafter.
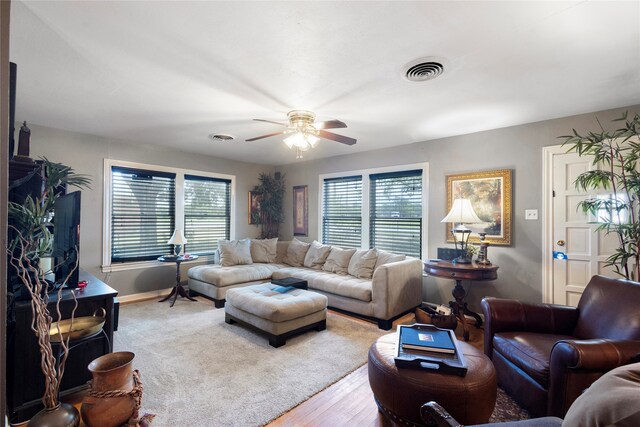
x,y
221,137
423,69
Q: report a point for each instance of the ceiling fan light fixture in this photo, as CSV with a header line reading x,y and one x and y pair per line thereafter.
x,y
301,140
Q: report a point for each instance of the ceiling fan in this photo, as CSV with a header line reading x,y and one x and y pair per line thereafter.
x,y
304,132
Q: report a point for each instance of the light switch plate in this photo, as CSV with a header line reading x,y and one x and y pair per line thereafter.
x,y
531,214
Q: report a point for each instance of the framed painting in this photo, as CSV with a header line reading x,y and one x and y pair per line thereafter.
x,y
300,211
490,196
254,208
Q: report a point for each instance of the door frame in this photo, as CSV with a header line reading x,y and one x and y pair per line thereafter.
x,y
547,223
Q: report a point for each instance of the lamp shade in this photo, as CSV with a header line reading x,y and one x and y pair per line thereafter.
x,y
462,212
177,238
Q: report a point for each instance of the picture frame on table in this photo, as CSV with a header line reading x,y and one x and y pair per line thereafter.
x,y
254,208
490,196
300,210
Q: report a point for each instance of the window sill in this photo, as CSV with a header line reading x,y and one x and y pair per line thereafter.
x,y
125,266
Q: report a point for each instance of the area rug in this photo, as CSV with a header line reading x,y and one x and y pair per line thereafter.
x,y
199,371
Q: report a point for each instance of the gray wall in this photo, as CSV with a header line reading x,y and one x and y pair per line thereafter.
x,y
518,148
86,154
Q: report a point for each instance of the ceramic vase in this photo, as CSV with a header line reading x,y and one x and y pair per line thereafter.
x,y
110,372
63,415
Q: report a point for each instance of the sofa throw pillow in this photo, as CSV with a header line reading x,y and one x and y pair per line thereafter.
x,y
338,260
362,263
316,255
264,250
385,257
613,400
296,253
235,252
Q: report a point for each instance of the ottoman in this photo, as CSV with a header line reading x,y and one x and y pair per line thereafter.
x,y
279,315
399,393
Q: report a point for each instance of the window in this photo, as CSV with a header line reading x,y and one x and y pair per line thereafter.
x,y
382,208
395,213
342,212
144,204
142,213
207,219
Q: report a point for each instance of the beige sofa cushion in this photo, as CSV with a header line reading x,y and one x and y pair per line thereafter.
x,y
362,263
331,283
226,276
296,252
264,250
338,260
235,252
316,255
385,257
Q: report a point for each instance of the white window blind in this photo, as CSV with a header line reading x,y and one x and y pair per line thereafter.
x,y
207,213
342,211
142,213
395,212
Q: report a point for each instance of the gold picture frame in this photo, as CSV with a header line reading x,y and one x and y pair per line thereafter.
x,y
490,195
300,210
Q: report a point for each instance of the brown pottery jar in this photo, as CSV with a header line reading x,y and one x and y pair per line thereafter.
x,y
110,372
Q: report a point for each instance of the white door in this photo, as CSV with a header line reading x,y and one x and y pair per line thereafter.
x,y
574,232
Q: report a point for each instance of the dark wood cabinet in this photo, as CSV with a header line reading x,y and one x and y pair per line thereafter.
x,y
25,382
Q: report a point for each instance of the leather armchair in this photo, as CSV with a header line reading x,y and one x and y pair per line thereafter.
x,y
546,355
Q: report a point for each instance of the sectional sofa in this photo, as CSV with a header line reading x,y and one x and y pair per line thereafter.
x,y
373,284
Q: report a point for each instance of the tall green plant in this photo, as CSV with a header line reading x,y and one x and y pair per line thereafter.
x,y
32,219
271,215
615,155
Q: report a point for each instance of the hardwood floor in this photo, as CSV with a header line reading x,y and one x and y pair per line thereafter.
x,y
349,402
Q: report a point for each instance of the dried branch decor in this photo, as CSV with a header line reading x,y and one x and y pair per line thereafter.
x,y
32,278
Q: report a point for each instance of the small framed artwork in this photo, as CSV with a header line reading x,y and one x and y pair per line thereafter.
x,y
490,196
254,208
300,211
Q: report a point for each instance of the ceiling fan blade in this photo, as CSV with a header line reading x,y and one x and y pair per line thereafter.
x,y
264,136
335,137
329,124
269,121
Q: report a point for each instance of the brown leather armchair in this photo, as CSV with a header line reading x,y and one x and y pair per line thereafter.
x,y
546,355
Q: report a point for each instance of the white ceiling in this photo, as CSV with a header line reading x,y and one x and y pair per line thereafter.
x,y
171,73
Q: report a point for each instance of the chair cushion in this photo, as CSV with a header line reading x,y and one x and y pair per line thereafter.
x,y
529,351
613,400
220,276
385,257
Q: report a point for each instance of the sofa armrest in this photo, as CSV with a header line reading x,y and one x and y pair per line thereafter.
x,y
435,415
396,288
576,364
504,315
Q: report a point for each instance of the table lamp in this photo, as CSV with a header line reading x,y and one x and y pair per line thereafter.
x,y
462,213
177,240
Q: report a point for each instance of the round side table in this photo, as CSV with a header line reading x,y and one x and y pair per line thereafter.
x,y
178,289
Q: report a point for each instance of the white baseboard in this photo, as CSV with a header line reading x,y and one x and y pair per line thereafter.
x,y
143,296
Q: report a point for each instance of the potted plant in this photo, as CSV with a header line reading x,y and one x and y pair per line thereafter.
x,y
31,227
271,215
615,155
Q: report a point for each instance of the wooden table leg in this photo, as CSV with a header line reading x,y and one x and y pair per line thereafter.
x,y
458,307
177,289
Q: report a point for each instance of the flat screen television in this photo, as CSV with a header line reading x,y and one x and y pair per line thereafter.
x,y
66,239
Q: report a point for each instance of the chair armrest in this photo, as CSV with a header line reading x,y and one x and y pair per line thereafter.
x,y
505,315
396,288
594,355
432,413
576,364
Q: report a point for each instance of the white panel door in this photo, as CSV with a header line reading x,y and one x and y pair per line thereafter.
x,y
573,234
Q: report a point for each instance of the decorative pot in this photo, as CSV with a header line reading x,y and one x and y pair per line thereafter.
x,y
112,376
63,415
